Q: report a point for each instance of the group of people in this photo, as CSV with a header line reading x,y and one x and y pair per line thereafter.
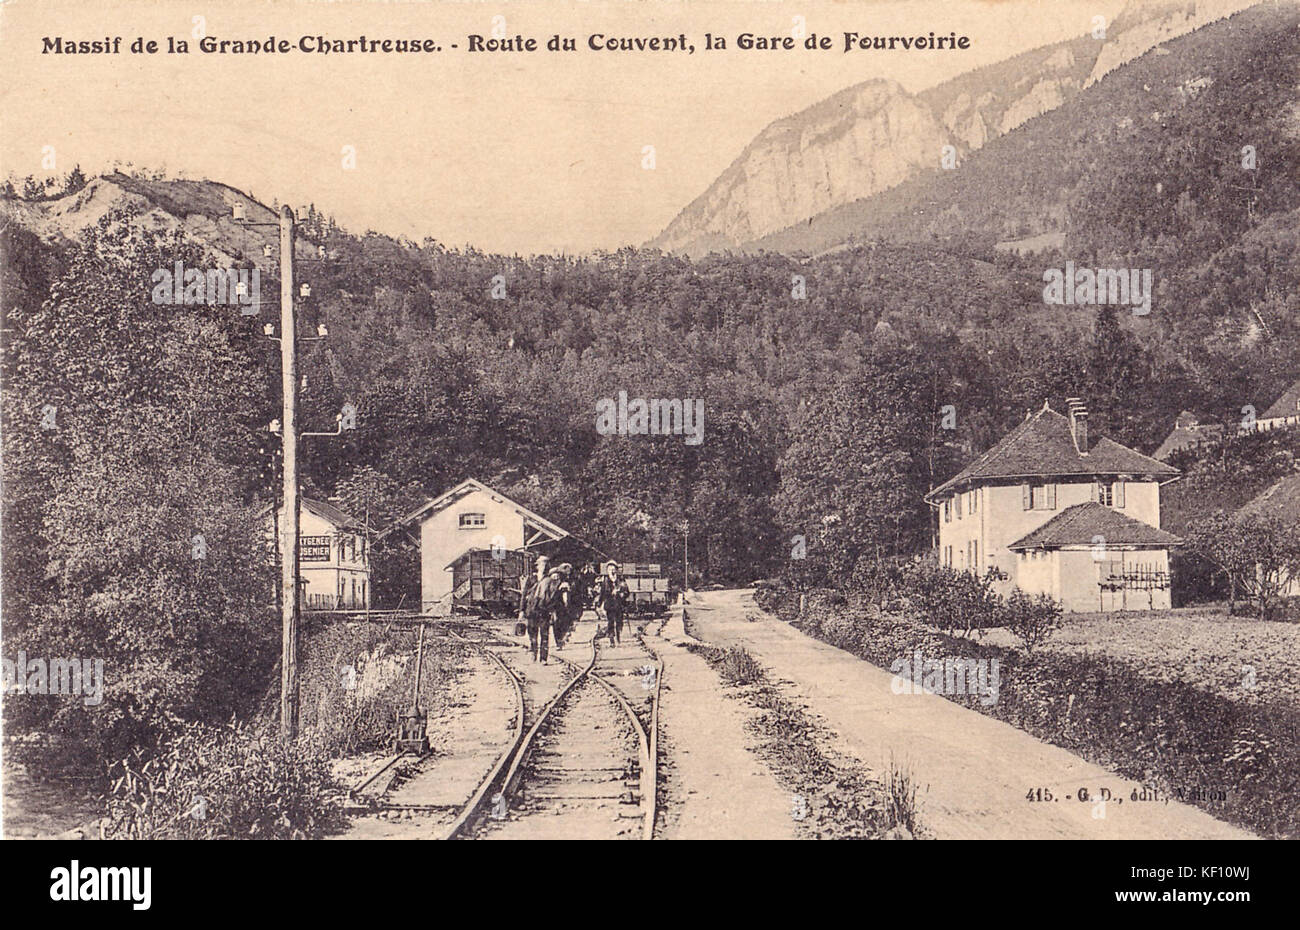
x,y
552,600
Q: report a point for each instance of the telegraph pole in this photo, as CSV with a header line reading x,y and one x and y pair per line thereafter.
x,y
289,433
686,558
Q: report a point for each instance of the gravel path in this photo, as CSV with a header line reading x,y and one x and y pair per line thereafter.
x,y
978,770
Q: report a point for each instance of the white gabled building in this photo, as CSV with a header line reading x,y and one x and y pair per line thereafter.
x,y
1060,515
333,556
1284,413
473,516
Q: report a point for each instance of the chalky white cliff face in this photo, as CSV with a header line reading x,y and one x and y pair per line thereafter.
x,y
875,135
851,145
1144,24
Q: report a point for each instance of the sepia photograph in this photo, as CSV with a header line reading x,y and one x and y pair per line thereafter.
x,y
641,420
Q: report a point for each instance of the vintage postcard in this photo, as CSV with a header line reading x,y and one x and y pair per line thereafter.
x,y
653,420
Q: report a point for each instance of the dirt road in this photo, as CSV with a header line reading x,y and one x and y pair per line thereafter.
x,y
716,787
979,770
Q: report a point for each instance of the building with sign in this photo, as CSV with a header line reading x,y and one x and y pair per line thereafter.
x,y
333,556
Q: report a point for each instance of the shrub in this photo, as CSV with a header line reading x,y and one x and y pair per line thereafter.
x,y
228,782
949,599
1031,619
738,667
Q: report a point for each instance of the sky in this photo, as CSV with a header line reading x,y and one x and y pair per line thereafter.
x,y
505,151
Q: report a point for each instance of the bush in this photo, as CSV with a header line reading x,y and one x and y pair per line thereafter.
x,y
738,667
948,599
1031,619
229,782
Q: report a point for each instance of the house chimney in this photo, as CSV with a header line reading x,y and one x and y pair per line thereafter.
x,y
1078,423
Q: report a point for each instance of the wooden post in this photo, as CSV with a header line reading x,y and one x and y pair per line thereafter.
x,y
419,665
289,420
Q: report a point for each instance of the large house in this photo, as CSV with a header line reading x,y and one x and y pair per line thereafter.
x,y
1060,515
471,519
333,556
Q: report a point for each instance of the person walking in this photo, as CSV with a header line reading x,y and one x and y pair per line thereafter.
x,y
612,595
567,608
526,585
537,604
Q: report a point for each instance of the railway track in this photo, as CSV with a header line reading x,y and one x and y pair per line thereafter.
x,y
587,767
375,795
582,765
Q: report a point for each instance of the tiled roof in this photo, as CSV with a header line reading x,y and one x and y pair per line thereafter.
x,y
1081,524
1284,406
340,518
1043,445
1184,438
326,511
1280,500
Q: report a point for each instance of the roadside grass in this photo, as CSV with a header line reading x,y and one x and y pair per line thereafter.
x,y
901,789
355,677
738,667
832,796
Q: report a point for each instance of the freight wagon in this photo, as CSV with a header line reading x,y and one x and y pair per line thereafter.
x,y
649,587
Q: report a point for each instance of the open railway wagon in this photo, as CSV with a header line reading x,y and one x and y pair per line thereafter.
x,y
649,588
486,581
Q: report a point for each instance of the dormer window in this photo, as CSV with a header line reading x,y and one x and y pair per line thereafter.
x,y
470,521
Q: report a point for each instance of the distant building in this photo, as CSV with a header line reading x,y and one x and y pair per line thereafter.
x,y
473,516
1060,515
333,556
1284,413
1280,500
1188,433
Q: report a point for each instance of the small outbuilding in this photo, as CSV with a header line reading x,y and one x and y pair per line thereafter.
x,y
1090,557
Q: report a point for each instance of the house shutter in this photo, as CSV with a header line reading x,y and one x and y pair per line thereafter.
x,y
1051,497
1119,493
1026,497
1096,491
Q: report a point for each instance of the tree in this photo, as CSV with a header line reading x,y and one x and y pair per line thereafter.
x,y
134,426
1032,619
855,475
75,182
1258,553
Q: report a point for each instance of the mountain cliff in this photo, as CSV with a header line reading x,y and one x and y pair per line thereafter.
x,y
873,136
